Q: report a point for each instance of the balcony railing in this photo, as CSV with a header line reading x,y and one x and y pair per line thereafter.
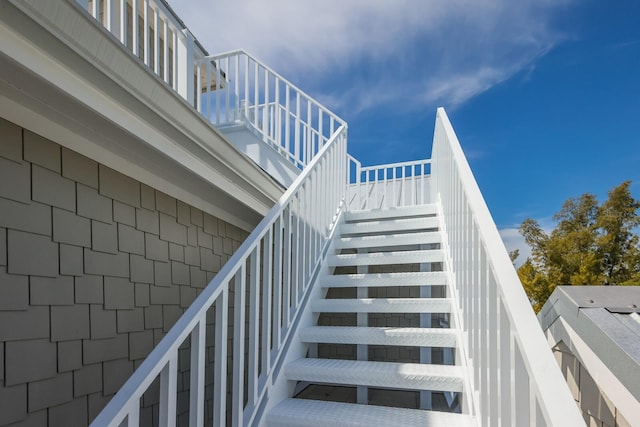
x,y
264,285
153,33
390,185
284,116
514,377
228,89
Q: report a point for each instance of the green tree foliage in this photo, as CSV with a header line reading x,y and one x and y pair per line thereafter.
x,y
592,244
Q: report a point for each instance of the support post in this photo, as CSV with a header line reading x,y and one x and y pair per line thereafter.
x,y
186,46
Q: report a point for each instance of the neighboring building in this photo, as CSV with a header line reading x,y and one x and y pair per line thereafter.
x,y
594,332
185,238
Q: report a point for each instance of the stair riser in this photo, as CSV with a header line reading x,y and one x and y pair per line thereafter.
x,y
373,336
431,384
381,306
389,226
391,213
388,241
385,280
372,378
386,258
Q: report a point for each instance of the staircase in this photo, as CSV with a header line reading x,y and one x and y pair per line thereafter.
x,y
382,352
328,315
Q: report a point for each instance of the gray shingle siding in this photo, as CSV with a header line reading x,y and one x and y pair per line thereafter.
x,y
95,267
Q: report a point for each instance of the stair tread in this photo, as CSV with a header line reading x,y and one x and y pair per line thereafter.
x,y
390,225
410,376
383,305
316,413
378,240
419,337
394,257
421,278
398,212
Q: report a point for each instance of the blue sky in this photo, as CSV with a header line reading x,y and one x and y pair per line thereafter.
x,y
543,94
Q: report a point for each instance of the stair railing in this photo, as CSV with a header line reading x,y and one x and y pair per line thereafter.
x,y
260,290
390,185
249,92
515,378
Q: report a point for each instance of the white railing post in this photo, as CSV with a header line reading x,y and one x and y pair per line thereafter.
x,y
278,261
123,21
196,389
236,89
168,391
146,24
133,414
220,365
156,41
134,27
237,401
165,50
267,291
254,329
95,10
246,88
109,16
186,56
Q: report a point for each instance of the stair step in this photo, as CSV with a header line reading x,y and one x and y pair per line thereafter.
x,y
400,212
383,305
416,337
407,376
377,241
316,413
430,278
386,258
391,225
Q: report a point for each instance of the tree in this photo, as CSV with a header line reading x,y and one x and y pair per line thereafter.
x,y
592,244
618,244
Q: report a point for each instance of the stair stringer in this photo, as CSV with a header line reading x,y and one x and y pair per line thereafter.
x,y
471,399
281,387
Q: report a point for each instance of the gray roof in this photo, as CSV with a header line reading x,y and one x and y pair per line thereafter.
x,y
607,318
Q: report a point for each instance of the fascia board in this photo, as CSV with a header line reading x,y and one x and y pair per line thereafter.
x,y
608,381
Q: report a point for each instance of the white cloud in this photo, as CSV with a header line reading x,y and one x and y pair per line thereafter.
x,y
513,240
411,53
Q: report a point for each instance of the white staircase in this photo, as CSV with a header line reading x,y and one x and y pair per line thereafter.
x,y
382,352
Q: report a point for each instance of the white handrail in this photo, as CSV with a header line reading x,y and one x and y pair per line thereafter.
x,y
390,185
515,379
244,90
277,264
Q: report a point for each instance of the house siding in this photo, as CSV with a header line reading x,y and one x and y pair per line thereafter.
x,y
95,267
597,410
